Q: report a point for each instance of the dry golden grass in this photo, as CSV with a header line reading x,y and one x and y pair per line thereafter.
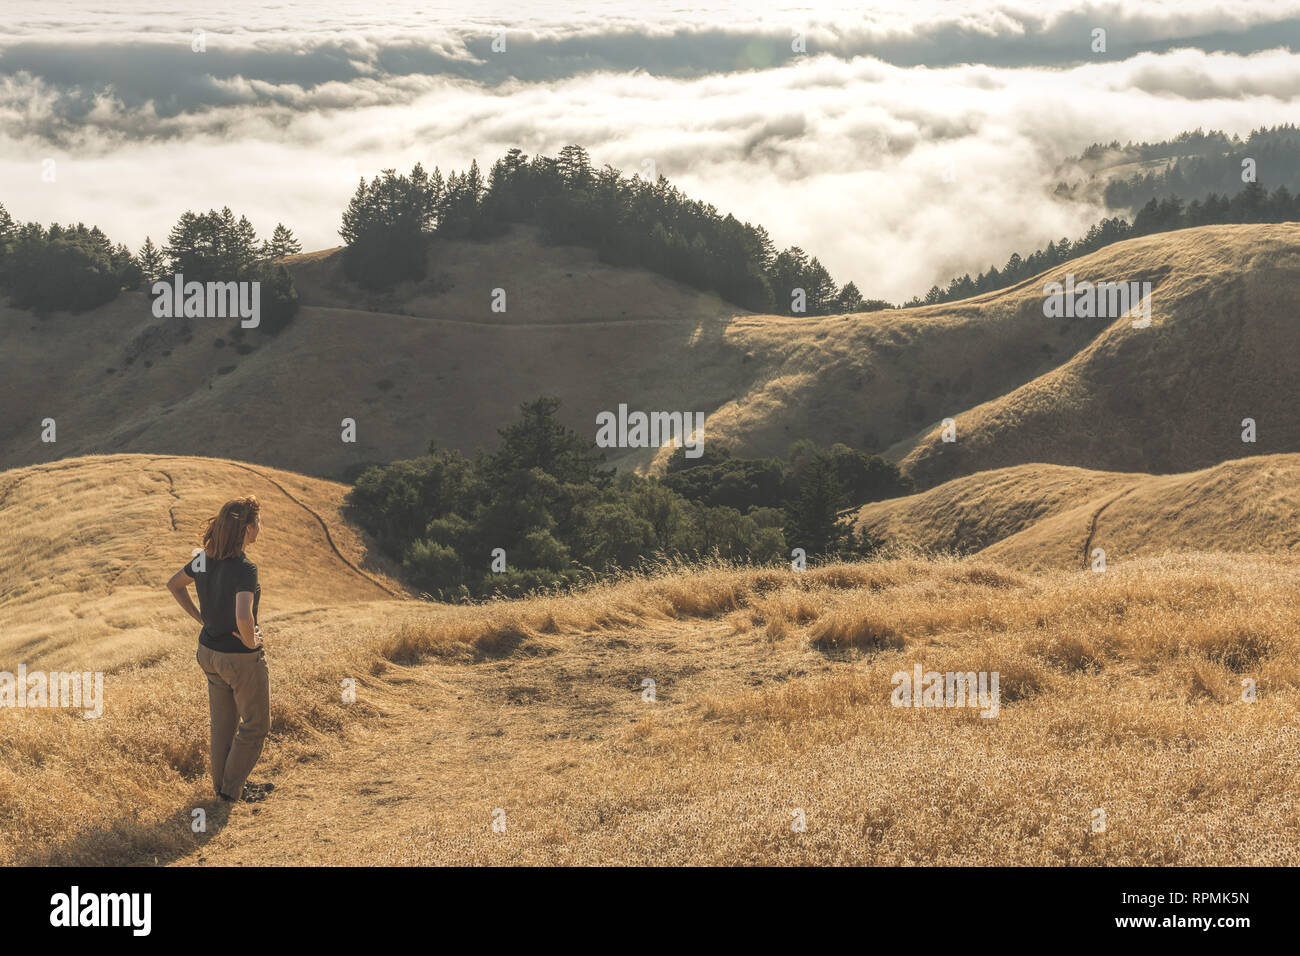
x,y
1170,397
1047,516
407,367
1021,388
1120,691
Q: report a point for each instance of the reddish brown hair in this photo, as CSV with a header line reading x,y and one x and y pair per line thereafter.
x,y
224,537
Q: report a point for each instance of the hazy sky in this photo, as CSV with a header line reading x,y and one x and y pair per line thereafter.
x,y
911,141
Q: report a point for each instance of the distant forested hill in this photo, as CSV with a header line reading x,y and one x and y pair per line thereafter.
x,y
1190,166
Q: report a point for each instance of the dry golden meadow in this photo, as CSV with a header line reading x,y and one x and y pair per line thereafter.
x,y
1122,691
1021,388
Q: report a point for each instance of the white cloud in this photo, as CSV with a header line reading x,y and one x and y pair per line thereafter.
x,y
842,155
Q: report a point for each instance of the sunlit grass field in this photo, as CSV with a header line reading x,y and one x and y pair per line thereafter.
x,y
1123,737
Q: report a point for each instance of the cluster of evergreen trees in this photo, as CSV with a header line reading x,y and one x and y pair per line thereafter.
x,y
719,478
75,268
544,498
1200,163
629,220
216,247
63,267
1251,204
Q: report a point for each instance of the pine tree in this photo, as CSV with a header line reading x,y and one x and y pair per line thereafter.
x,y
125,267
150,261
813,521
539,440
575,167
282,243
820,288
423,198
356,215
1249,204
384,227
6,239
789,271
849,298
184,244
243,247
1282,205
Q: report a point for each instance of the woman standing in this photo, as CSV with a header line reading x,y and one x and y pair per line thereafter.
x,y
230,645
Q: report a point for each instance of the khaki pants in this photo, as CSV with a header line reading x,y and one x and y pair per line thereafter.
x,y
239,698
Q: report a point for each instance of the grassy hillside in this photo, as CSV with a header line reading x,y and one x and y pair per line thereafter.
x,y
1166,398
454,372
432,361
772,695
86,548
111,529
1050,516
968,514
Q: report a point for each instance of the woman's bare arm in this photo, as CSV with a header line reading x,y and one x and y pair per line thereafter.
x,y
244,619
179,585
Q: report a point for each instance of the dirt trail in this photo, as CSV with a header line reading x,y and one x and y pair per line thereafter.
x,y
42,468
171,490
324,526
329,539
461,739
481,324
345,809
1092,525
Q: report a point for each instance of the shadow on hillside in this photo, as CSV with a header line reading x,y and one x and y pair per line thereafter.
x,y
138,844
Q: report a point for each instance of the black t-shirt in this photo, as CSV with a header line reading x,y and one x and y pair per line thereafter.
x,y
218,581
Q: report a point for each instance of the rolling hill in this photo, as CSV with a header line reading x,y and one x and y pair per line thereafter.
x,y
119,380
1053,516
1167,398
772,687
109,529
771,698
431,361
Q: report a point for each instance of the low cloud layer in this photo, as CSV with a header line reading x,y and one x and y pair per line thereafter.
x,y
148,62
898,150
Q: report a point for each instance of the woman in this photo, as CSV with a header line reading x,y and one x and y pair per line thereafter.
x,y
230,645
